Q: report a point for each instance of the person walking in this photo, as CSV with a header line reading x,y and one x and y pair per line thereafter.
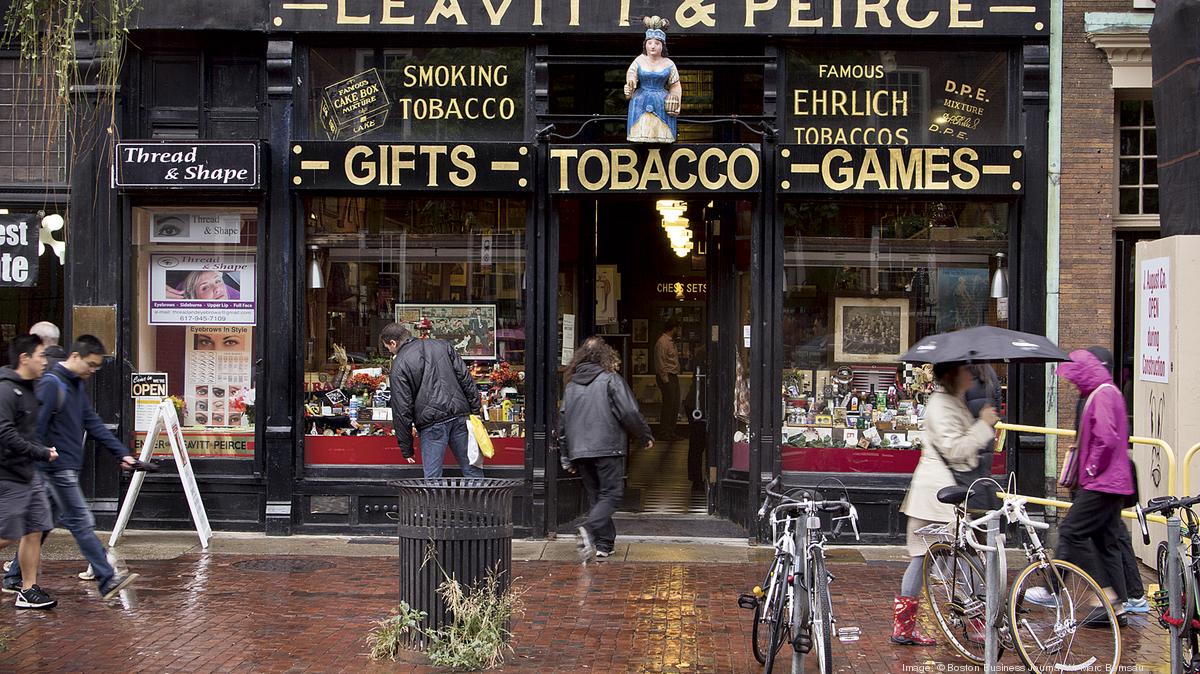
x,y
24,509
1089,535
433,391
954,439
666,371
599,413
66,413
50,335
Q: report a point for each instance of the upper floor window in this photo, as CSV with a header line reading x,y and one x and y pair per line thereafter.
x,y
31,151
199,93
1137,167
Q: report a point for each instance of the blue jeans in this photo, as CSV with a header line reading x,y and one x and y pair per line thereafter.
x,y
71,511
435,439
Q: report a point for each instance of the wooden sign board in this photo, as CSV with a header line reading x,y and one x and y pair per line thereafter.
x,y
166,420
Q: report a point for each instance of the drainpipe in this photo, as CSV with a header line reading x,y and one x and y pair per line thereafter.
x,y
1053,228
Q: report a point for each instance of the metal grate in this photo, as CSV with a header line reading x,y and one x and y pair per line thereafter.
x,y
27,155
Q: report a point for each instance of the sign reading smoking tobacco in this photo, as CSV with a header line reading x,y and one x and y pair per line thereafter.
x,y
696,17
206,164
19,250
412,166
355,106
640,169
953,169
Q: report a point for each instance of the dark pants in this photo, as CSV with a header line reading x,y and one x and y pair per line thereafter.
x,y
670,406
450,433
1133,573
1088,538
604,481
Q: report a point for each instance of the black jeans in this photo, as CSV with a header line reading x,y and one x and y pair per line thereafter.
x,y
670,406
1133,573
1088,538
604,481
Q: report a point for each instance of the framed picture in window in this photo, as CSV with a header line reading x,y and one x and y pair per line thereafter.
x,y
471,328
869,330
641,361
641,330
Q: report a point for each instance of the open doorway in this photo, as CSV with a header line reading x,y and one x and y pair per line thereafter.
x,y
636,271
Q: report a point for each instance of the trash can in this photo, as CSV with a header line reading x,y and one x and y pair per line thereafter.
x,y
457,525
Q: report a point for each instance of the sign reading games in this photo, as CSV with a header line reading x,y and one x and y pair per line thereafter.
x,y
989,169
711,17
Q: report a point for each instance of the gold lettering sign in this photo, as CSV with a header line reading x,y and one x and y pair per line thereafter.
x,y
946,170
856,17
718,168
412,166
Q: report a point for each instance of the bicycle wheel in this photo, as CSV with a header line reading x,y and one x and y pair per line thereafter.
x,y
781,612
955,588
1160,564
821,624
1054,638
761,635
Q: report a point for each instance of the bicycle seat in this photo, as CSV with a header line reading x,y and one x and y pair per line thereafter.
x,y
953,494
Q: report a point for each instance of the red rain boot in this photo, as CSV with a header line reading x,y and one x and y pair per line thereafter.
x,y
904,625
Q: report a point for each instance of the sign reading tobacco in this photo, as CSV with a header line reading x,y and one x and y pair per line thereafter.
x,y
955,169
483,167
711,17
634,169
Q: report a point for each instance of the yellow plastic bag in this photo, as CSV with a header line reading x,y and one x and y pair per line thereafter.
x,y
479,431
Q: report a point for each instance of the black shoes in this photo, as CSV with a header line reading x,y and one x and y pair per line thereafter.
x,y
117,584
35,597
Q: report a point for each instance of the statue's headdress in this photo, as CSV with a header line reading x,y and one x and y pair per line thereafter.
x,y
655,26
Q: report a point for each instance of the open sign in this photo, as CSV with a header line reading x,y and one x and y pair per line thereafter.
x,y
149,385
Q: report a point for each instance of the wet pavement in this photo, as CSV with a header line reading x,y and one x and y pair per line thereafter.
x,y
298,606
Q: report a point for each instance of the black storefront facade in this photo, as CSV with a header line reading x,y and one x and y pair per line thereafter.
x,y
289,177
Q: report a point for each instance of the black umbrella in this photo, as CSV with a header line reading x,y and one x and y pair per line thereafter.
x,y
984,344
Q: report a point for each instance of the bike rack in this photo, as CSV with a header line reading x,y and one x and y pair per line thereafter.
x,y
1187,463
1174,591
1133,440
996,575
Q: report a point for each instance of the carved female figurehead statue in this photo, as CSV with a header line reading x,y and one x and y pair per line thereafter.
x,y
653,89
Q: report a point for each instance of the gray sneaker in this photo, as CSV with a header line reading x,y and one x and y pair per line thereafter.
x,y
587,549
11,585
117,584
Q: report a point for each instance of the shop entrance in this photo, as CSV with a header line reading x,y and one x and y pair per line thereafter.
x,y
640,273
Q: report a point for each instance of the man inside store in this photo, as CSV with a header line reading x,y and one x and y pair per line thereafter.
x,y
24,508
66,413
666,371
432,390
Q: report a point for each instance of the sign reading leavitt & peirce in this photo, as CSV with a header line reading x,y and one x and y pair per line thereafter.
x,y
969,18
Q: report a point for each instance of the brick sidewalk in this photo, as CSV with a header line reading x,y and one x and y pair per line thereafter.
x,y
209,613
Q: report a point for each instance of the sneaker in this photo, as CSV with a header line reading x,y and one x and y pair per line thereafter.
x,y
7,566
601,554
1098,618
87,574
1042,597
587,549
35,597
11,585
117,584
1137,605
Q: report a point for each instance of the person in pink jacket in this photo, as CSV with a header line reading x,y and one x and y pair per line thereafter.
x,y
1087,535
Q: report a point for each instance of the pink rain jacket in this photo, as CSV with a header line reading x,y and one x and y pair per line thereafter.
x,y
1104,429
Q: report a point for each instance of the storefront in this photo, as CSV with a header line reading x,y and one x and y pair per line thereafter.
x,y
837,190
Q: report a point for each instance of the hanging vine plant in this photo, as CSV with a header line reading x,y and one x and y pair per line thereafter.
x,y
47,33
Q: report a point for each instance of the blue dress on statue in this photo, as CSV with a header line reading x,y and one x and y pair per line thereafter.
x,y
648,121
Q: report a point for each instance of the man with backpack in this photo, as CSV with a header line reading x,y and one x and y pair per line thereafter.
x,y
66,412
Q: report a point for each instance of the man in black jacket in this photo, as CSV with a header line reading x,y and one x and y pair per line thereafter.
x,y
433,391
24,508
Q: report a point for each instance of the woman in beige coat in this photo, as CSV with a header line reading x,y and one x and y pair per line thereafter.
x,y
954,436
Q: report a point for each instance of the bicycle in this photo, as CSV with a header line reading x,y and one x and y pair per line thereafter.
x,y
1049,636
795,607
1188,622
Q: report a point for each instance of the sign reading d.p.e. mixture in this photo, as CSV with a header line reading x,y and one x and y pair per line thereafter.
x,y
206,164
19,250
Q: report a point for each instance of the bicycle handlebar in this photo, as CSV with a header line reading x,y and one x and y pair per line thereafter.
x,y
1161,504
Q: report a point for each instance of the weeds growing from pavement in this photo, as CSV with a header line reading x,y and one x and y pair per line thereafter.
x,y
478,635
391,633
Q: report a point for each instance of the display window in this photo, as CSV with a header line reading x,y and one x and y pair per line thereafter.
x,y
865,281
447,268
194,317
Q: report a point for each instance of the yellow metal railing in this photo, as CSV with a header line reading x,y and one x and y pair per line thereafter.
x,y
1128,513
1133,440
1187,473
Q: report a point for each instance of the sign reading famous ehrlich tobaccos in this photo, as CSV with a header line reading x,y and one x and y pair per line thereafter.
x,y
700,17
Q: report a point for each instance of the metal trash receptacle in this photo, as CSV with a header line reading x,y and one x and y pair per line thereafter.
x,y
464,525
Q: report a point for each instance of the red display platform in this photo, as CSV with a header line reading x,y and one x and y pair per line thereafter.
x,y
381,450
846,460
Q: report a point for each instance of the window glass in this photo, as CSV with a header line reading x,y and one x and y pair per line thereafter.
x,y
886,97
1137,162
865,281
195,315
459,263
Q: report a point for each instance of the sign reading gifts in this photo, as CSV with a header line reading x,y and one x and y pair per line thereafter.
x,y
711,17
412,166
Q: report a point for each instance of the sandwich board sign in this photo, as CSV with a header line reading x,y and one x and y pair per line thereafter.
x,y
166,420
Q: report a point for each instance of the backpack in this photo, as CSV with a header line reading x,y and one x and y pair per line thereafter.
x,y
61,399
